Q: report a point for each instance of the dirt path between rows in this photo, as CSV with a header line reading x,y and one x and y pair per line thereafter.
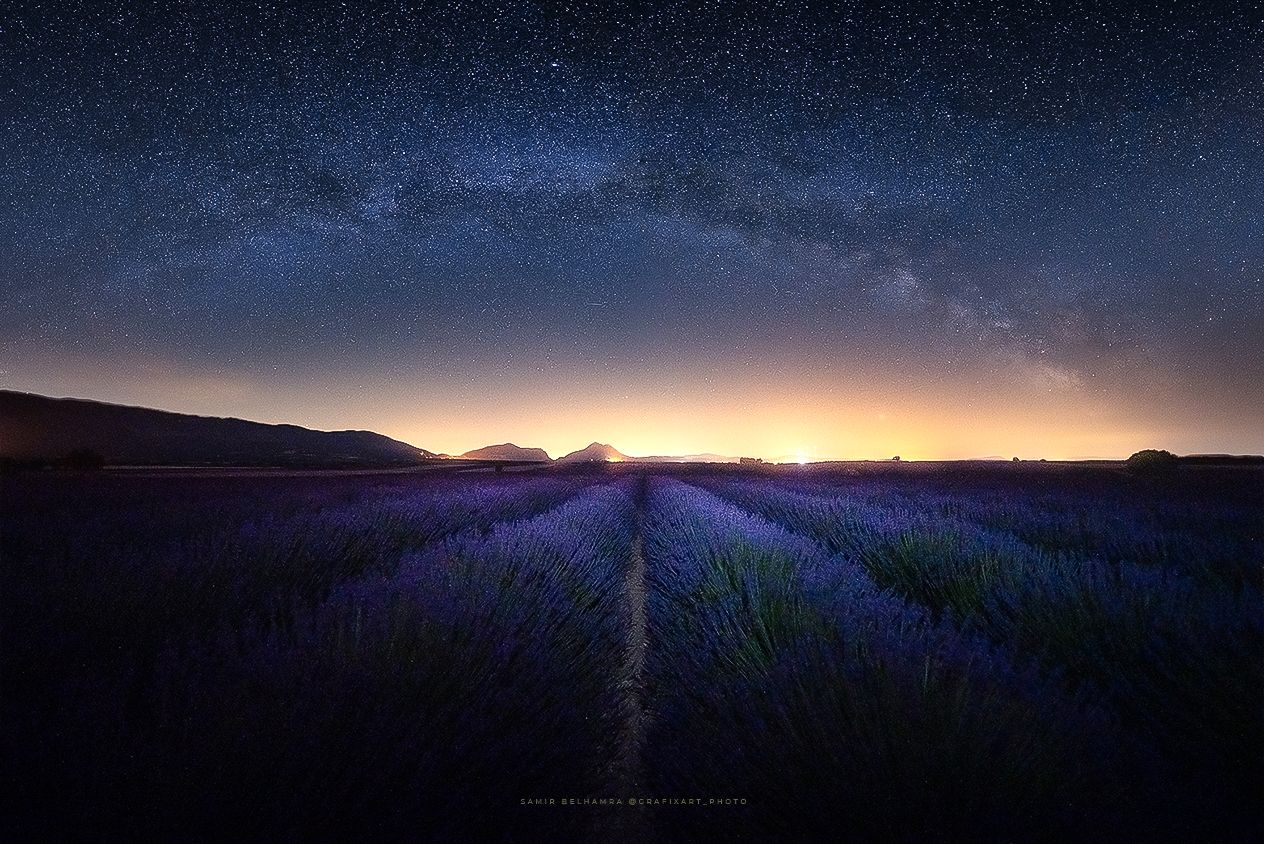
x,y
631,823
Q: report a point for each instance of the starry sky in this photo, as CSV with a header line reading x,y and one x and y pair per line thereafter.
x,y
777,228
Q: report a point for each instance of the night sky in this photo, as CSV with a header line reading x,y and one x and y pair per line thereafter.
x,y
780,229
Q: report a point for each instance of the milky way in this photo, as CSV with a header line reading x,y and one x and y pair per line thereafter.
x,y
309,212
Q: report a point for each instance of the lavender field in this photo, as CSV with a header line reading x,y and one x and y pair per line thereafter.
x,y
864,652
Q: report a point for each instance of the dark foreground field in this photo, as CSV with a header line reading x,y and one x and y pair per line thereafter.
x,y
882,653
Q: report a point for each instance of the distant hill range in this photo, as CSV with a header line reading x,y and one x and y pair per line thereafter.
x,y
39,429
508,451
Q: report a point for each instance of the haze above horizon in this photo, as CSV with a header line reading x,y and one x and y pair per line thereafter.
x,y
23,415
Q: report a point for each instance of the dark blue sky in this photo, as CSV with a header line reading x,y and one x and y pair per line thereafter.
x,y
948,229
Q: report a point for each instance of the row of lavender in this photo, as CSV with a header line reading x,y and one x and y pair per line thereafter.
x,y
293,657
785,675
1169,651
1204,524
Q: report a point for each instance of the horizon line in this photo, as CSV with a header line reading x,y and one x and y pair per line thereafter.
x,y
781,459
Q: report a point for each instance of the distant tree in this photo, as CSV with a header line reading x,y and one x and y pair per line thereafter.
x,y
1016,460
1152,461
896,459
83,458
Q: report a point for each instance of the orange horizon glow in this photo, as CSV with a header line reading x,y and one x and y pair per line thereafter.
x,y
809,416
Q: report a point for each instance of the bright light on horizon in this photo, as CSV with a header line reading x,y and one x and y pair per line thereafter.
x,y
673,415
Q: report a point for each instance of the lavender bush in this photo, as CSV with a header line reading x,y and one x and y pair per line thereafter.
x,y
785,673
1177,657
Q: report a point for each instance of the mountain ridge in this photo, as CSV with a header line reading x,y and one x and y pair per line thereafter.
x,y
595,452
42,428
508,451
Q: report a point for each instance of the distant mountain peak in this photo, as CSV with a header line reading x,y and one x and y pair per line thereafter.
x,y
595,452
508,451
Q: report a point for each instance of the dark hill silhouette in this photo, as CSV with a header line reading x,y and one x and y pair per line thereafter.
x,y
507,451
36,428
595,453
